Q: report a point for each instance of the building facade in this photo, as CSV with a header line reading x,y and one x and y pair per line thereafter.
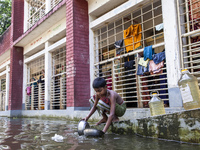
x,y
54,49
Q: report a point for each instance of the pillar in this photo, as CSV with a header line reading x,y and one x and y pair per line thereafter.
x,y
77,54
16,79
48,74
172,51
7,86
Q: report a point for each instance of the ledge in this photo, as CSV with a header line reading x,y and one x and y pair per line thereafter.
x,y
181,126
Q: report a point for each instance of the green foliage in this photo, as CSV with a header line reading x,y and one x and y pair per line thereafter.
x,y
5,15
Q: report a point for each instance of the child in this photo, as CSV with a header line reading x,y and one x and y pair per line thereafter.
x,y
106,101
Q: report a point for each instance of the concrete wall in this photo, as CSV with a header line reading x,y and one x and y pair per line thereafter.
x,y
181,126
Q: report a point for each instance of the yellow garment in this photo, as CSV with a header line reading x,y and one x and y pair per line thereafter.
x,y
142,62
133,32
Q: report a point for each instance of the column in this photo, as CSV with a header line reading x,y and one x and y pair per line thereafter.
x,y
48,6
16,79
25,72
7,86
91,40
172,51
48,74
25,16
77,54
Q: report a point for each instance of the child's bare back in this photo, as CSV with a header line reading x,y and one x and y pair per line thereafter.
x,y
117,97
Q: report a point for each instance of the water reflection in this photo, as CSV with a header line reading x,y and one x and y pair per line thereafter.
x,y
37,134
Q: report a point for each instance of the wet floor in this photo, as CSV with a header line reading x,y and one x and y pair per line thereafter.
x,y
41,134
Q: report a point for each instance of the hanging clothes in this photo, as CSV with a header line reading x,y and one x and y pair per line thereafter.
x,y
157,58
133,33
142,70
148,52
119,45
143,62
155,68
129,65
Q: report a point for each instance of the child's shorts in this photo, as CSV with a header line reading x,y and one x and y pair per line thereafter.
x,y
104,106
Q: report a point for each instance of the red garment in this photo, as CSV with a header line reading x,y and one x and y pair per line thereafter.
x,y
104,99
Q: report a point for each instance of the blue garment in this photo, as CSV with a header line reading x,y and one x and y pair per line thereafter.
x,y
141,70
157,58
148,52
129,65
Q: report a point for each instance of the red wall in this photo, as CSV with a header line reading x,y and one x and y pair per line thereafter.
x,y
16,57
77,46
16,78
17,18
5,41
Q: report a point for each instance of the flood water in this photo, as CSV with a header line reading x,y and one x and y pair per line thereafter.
x,y
36,134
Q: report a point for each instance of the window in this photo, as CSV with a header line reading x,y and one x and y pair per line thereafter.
x,y
58,79
54,3
36,10
35,85
118,47
189,29
3,93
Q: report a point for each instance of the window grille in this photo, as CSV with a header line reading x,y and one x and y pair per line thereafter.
x,y
36,10
111,55
3,93
58,79
36,85
189,29
54,3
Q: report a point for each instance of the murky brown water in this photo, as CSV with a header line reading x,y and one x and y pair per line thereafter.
x,y
36,134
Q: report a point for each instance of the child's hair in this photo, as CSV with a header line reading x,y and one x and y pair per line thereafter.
x,y
99,82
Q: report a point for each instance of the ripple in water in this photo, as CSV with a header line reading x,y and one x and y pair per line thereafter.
x,y
17,134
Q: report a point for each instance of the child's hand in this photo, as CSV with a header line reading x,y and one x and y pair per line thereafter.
x,y
86,119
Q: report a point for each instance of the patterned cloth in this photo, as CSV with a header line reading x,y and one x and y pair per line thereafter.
x,y
103,105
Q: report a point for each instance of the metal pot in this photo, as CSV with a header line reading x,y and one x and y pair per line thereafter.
x,y
82,125
93,133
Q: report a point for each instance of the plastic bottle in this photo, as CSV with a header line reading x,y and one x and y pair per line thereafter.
x,y
156,105
189,88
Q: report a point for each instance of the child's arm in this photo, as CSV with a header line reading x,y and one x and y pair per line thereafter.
x,y
112,112
93,109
